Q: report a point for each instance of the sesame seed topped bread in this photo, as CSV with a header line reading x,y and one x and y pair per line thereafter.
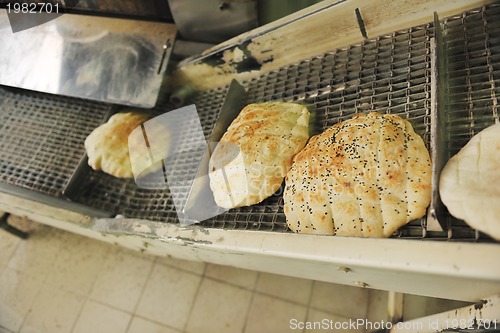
x,y
250,161
469,184
107,146
363,177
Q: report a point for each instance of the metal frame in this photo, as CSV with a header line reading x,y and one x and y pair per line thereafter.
x,y
453,270
483,316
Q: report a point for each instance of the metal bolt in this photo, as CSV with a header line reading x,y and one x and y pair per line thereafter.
x,y
360,284
344,269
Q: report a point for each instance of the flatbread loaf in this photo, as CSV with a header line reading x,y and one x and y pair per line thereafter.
x,y
252,158
107,146
363,177
469,184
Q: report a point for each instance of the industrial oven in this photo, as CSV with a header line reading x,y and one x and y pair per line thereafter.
x,y
435,63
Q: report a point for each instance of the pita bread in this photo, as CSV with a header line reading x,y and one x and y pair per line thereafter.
x,y
364,177
107,146
469,184
253,156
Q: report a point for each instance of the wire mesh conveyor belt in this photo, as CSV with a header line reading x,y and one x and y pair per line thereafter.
x,y
41,136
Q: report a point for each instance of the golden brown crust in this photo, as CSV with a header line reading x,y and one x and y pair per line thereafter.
x,y
363,177
470,182
107,146
256,152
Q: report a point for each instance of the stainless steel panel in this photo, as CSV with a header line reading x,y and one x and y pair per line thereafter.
x,y
200,204
104,59
213,21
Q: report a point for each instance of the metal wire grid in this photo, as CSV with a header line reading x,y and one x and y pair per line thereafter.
x,y
388,74
123,196
473,84
40,141
473,40
391,74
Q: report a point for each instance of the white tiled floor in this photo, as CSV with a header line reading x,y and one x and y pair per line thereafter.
x,y
60,282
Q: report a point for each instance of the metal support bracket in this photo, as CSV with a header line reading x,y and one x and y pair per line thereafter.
x,y
4,224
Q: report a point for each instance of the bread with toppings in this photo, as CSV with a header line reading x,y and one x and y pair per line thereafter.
x,y
363,177
250,162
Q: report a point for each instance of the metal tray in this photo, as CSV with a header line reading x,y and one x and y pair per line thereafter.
x,y
112,60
